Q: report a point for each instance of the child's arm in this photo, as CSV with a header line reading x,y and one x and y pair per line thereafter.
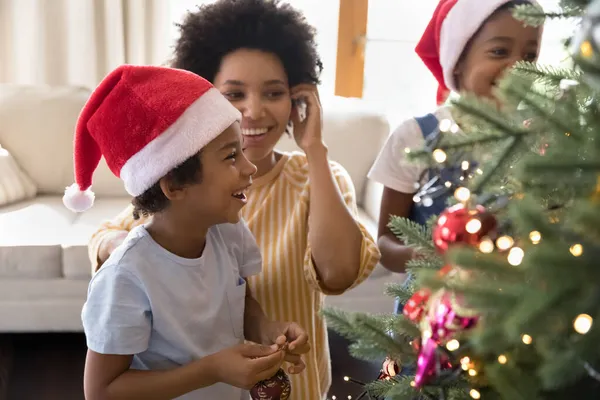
x,y
399,176
108,377
394,254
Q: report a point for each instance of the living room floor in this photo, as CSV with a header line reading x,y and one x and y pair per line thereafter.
x,y
49,366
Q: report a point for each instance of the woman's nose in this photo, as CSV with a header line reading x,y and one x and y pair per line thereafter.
x,y
253,108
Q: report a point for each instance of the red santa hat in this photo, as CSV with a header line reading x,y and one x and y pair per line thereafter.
x,y
145,121
453,24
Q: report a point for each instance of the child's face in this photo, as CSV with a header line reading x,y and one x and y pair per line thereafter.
x,y
256,83
225,177
500,43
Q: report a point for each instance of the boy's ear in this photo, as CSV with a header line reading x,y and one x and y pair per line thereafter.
x,y
171,191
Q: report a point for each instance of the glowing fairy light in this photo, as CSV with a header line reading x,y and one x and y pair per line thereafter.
x,y
583,324
515,256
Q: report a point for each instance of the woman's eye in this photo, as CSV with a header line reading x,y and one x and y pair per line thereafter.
x,y
231,156
275,94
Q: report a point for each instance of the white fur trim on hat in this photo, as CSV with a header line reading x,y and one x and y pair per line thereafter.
x,y
204,120
459,26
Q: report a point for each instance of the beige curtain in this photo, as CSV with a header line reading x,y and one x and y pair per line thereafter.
x,y
77,42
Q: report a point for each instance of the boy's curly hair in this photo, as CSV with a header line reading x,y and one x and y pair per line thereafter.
x,y
154,200
219,28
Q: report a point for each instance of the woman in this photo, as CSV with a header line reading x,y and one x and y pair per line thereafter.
x,y
301,207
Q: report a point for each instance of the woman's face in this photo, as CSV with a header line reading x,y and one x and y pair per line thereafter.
x,y
255,82
500,43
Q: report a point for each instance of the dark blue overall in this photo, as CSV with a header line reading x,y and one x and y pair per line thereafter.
x,y
419,213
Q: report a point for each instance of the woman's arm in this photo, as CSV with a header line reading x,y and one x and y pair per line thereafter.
x,y
109,236
334,235
335,238
394,254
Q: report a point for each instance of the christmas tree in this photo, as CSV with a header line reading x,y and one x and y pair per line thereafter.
x,y
505,300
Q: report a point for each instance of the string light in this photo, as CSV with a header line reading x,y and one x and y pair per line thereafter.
x,y
453,345
445,125
502,359
515,256
465,165
473,226
479,171
535,237
586,49
439,155
472,372
583,324
527,339
448,184
454,128
486,246
407,150
504,242
413,383
462,194
475,394
576,250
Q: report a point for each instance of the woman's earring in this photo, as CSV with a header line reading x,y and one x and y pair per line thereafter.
x,y
289,128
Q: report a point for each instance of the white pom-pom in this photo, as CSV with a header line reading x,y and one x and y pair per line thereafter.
x,y
77,200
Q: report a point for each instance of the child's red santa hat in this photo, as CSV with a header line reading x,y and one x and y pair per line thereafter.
x,y
145,121
453,24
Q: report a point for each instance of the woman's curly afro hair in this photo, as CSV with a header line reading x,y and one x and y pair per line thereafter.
x,y
219,28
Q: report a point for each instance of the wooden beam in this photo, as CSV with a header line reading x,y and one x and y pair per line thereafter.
x,y
350,62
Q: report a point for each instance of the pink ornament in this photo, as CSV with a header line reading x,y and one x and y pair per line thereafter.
x,y
445,317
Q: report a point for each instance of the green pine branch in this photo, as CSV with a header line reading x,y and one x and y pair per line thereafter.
x,y
412,234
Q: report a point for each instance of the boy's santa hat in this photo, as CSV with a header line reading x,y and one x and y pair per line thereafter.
x,y
452,26
145,121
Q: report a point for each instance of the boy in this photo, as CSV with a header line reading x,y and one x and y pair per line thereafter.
x,y
167,315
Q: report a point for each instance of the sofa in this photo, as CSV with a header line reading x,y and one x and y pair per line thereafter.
x,y
44,266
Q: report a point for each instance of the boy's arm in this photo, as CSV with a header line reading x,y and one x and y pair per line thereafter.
x,y
109,377
394,254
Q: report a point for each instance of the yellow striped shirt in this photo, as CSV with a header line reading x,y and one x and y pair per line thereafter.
x,y
287,289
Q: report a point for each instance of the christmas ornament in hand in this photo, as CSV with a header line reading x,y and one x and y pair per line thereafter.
x,y
275,388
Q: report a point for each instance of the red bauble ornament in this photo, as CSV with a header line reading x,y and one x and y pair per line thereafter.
x,y
415,306
461,225
277,387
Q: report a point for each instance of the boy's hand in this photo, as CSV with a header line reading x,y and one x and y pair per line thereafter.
x,y
246,364
292,338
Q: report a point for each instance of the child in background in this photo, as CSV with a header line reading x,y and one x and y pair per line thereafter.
x,y
467,46
167,315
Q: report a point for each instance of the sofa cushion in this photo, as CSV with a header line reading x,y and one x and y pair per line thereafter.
x,y
30,238
37,125
76,263
354,133
15,185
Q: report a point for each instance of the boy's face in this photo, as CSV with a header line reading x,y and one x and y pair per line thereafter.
x,y
225,177
500,43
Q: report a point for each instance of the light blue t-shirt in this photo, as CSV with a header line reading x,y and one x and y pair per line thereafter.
x,y
167,310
